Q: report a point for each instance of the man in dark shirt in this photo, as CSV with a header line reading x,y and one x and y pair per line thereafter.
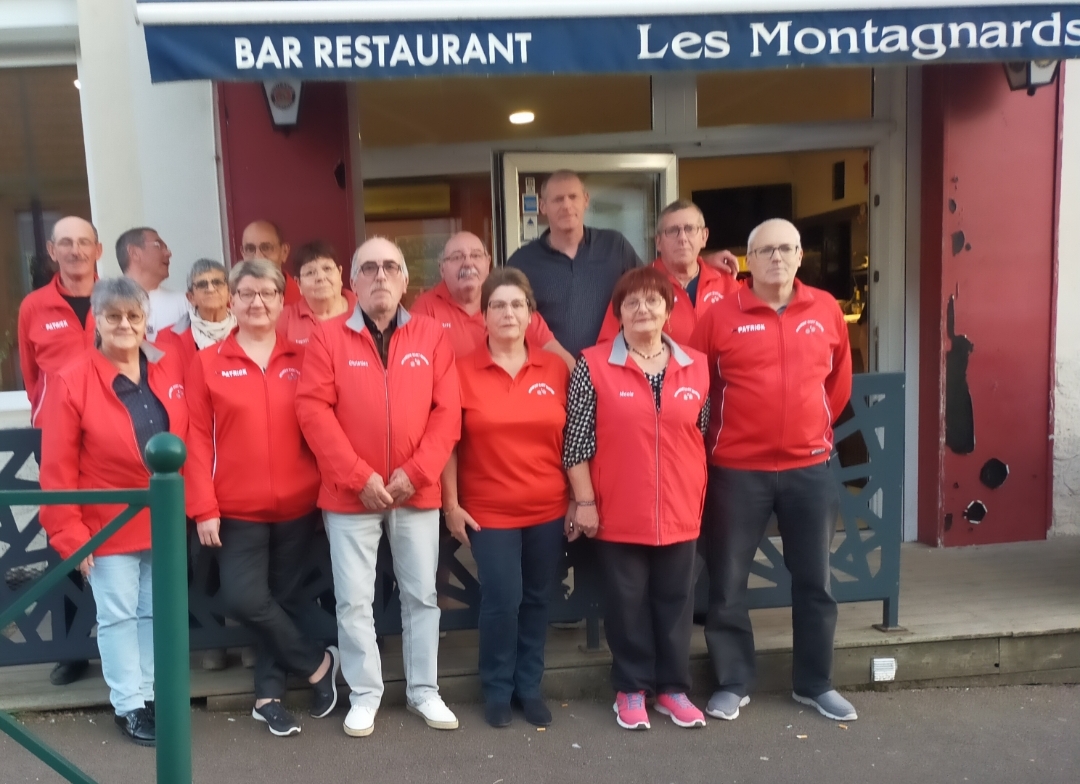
x,y
573,268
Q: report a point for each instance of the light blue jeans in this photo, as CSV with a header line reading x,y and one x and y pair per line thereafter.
x,y
125,632
354,548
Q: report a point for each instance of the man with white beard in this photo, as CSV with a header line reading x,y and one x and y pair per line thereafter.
x,y
455,302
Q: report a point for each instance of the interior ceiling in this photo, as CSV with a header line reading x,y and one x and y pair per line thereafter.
x,y
792,96
450,111
42,104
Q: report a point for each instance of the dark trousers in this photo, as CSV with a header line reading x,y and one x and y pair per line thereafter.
x,y
261,567
738,506
648,614
517,569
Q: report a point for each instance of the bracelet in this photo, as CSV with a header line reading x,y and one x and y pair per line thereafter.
x,y
585,503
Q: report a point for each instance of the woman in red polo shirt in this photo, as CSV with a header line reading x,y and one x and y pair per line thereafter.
x,y
253,484
637,413
321,287
505,493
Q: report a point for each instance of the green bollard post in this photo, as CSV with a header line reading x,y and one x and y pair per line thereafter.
x,y
165,454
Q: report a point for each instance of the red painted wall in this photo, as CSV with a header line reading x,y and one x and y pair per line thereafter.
x,y
989,184
290,176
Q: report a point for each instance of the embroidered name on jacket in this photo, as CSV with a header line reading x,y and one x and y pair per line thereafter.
x,y
750,328
56,325
358,363
234,373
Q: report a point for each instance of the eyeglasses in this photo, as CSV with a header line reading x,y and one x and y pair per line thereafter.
x,y
312,271
652,302
767,251
500,306
268,296
66,243
369,269
159,244
206,285
476,256
264,249
689,229
134,317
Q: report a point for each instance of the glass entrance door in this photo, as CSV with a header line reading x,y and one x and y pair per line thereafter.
x,y
626,193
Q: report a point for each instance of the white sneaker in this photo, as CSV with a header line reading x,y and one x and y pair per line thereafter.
x,y
435,713
360,721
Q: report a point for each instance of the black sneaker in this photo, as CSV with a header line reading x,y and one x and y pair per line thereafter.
x,y
279,720
68,672
138,725
324,691
498,714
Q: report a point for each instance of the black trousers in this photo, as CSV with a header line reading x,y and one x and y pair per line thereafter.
x,y
648,614
261,567
738,505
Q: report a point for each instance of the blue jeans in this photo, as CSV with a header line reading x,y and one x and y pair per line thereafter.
x,y
125,633
517,569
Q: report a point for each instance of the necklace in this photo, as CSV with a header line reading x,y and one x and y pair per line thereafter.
x,y
645,356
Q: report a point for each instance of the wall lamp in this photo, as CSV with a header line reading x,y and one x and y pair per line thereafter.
x,y
283,100
1031,74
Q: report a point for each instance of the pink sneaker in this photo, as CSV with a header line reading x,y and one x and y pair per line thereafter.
x,y
630,710
680,709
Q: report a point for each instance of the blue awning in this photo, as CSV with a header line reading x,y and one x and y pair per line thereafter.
x,y
257,40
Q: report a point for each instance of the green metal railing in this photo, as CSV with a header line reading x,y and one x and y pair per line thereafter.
x,y
165,455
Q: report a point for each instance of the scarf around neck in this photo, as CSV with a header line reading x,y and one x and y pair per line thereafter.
x,y
207,333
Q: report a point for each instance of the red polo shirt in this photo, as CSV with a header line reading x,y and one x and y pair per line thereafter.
x,y
297,320
50,336
292,289
467,333
510,472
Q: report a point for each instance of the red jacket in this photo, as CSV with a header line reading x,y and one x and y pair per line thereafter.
x,y
179,340
361,417
778,381
713,286
88,443
246,456
649,469
297,321
50,336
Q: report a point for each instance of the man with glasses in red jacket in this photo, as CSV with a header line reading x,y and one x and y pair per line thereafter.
x,y
780,367
379,404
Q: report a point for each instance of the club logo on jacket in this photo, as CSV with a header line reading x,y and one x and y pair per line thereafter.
x,y
810,327
176,392
687,393
234,373
56,325
358,363
711,297
541,389
289,374
414,359
750,328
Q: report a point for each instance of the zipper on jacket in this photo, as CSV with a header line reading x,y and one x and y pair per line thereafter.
x,y
657,457
782,347
269,430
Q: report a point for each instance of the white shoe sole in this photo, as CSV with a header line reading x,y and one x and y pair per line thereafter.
x,y
644,725
813,704
688,724
361,732
435,725
291,731
729,716
335,665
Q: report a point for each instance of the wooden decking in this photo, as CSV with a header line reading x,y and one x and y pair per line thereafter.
x,y
978,615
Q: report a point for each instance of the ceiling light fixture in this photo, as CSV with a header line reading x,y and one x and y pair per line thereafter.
x,y
522,118
78,85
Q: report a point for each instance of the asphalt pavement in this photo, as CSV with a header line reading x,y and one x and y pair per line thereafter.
x,y
1004,734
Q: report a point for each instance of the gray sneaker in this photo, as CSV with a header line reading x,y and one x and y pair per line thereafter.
x,y
725,705
830,705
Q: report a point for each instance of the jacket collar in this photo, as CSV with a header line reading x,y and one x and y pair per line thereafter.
x,y
620,354
705,274
748,300
182,325
356,323
483,358
229,347
108,370
303,309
